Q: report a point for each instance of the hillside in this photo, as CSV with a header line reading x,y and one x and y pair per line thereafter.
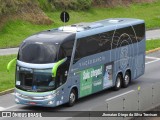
x,y
22,18
27,10
33,10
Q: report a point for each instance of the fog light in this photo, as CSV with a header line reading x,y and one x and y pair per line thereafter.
x,y
50,102
17,101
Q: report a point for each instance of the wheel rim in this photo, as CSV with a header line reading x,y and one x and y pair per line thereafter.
x,y
72,97
126,79
118,82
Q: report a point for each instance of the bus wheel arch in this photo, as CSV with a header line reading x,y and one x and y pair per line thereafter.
x,y
118,82
73,96
126,79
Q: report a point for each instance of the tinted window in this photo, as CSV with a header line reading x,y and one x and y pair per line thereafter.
x,y
93,45
66,49
140,31
38,53
124,36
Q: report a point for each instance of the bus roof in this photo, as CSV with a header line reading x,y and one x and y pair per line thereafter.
x,y
87,29
82,30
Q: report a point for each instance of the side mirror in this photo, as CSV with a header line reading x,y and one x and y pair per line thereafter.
x,y
56,65
10,64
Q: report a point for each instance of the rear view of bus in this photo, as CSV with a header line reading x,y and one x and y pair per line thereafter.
x,y
61,65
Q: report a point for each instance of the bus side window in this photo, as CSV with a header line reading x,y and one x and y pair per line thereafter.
x,y
61,54
68,48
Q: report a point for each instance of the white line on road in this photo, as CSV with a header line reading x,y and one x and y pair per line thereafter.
x,y
152,61
10,107
120,95
155,58
2,108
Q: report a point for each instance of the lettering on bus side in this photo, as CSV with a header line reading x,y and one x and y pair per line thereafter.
x,y
95,79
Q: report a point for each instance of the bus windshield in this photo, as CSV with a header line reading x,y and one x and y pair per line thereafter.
x,y
38,53
35,81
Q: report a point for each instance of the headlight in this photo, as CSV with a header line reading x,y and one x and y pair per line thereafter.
x,y
50,96
17,94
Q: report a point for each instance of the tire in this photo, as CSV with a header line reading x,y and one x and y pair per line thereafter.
x,y
72,98
118,83
126,80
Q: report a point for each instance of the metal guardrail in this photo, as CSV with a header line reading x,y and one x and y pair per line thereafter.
x,y
139,100
143,99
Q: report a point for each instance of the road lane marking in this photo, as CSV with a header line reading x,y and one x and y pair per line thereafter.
x,y
2,108
154,58
152,61
119,95
10,107
12,93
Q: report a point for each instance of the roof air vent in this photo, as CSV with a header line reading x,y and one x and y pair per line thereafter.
x,y
115,21
96,25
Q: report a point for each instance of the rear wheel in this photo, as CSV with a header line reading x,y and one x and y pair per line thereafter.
x,y
118,83
126,80
72,98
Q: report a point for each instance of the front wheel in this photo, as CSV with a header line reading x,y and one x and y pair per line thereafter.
x,y
118,82
72,98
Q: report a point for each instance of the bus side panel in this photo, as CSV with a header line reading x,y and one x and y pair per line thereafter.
x,y
91,74
139,61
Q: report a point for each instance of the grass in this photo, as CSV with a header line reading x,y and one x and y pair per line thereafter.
x,y
7,79
14,32
152,44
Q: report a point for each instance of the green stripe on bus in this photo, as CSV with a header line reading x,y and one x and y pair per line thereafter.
x,y
56,65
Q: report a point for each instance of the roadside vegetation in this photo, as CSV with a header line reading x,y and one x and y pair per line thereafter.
x,y
15,31
152,44
7,79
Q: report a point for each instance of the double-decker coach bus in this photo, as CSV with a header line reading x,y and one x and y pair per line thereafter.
x,y
62,65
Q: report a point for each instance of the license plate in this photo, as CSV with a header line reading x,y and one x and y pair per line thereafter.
x,y
32,103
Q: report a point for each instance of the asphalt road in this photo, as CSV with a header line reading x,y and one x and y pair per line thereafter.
x,y
152,75
151,34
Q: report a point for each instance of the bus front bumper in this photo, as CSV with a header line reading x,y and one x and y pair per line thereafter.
x,y
47,101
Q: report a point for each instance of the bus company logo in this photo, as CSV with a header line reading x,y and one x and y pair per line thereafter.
x,y
124,57
92,61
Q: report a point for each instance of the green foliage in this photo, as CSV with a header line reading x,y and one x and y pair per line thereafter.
x,y
152,44
12,6
71,4
7,79
15,31
45,5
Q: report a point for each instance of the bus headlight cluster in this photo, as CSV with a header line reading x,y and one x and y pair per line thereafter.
x,y
17,94
16,100
50,102
50,96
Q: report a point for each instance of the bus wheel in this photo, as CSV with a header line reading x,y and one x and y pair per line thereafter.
x,y
72,98
126,80
118,82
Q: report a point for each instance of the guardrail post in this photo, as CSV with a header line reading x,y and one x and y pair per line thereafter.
x,y
152,94
123,106
107,110
139,88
